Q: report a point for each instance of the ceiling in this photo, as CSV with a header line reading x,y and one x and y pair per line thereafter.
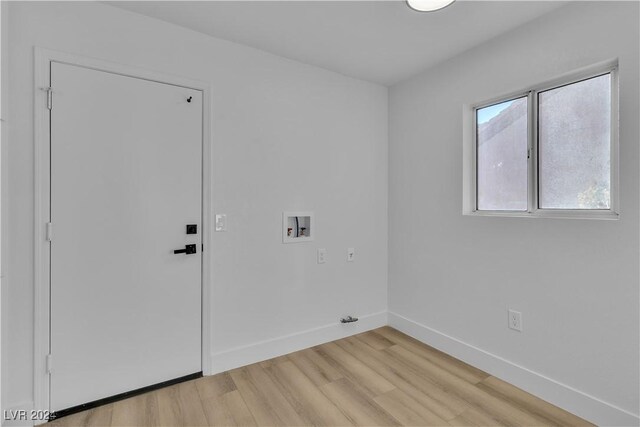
x,y
379,41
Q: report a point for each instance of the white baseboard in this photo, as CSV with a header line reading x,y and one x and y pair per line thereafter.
x,y
263,350
579,403
12,412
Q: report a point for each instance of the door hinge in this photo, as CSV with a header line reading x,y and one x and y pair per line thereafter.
x,y
49,91
49,365
49,234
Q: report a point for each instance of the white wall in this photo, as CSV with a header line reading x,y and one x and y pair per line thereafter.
x,y
452,277
286,136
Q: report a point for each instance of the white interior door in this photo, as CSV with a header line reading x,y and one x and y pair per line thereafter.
x,y
126,178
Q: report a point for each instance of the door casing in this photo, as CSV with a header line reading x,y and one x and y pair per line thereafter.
x,y
42,200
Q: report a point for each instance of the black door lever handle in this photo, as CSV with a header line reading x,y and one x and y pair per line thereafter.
x,y
188,249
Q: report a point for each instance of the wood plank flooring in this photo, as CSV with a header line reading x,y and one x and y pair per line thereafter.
x,y
377,378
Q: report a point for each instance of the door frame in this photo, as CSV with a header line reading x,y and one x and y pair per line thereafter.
x,y
42,204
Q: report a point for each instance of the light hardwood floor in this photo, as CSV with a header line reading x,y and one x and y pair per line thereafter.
x,y
377,378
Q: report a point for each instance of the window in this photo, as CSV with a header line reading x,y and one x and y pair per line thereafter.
x,y
502,143
550,151
574,145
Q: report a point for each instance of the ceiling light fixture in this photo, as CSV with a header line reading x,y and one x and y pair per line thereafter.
x,y
428,5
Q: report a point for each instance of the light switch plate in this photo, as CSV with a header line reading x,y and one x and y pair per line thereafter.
x,y
221,222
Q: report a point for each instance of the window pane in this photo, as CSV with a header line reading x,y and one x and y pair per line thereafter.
x,y
574,137
502,156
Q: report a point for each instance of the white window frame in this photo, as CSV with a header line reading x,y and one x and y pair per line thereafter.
x,y
470,190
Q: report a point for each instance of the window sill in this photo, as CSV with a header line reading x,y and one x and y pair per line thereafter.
x,y
549,213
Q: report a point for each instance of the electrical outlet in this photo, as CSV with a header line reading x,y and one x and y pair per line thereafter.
x,y
351,253
322,255
515,320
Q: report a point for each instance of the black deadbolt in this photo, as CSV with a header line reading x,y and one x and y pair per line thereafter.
x,y
192,229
